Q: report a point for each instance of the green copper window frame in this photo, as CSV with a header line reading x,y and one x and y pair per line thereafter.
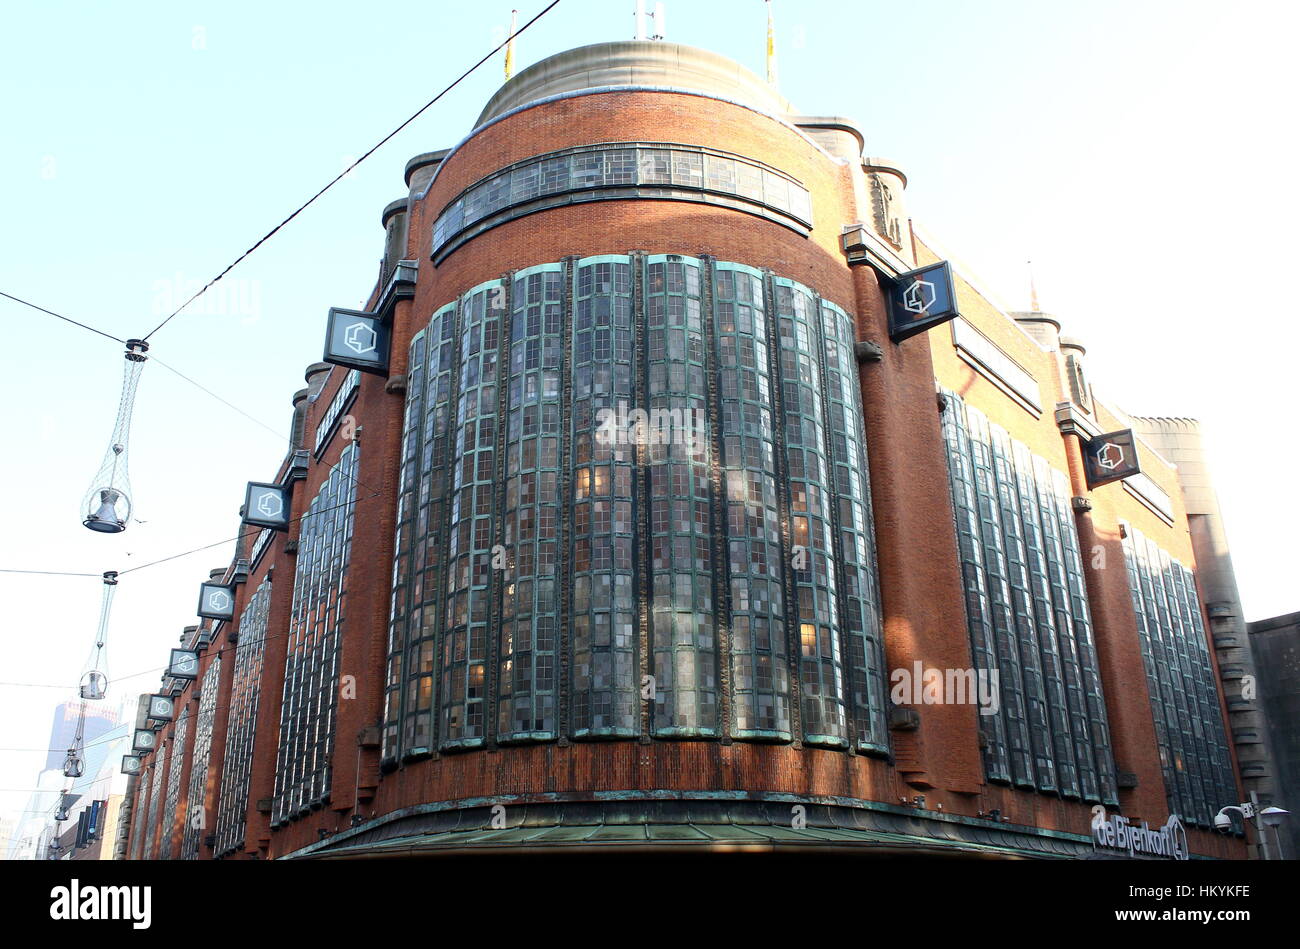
x,y
680,554
473,520
527,655
599,514
760,667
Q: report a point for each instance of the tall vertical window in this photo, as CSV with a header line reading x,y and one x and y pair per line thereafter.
x,y
854,553
681,548
473,514
419,572
232,813
316,621
203,721
526,655
760,671
821,667
1194,756
173,798
605,696
1027,611
150,849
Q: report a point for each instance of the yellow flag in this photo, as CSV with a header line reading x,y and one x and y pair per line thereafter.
x,y
510,45
771,46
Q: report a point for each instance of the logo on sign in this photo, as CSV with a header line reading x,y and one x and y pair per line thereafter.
x,y
919,297
270,505
360,338
1110,457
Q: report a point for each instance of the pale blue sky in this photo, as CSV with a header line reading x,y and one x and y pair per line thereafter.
x,y
1139,152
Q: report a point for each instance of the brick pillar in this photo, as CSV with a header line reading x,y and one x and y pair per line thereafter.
x,y
266,735
364,648
923,607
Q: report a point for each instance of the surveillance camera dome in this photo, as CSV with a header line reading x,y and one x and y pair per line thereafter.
x,y
1223,822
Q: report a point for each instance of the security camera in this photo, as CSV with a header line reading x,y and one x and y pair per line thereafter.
x,y
1222,823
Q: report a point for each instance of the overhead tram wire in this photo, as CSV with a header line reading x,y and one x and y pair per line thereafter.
x,y
339,177
52,573
249,533
66,319
225,402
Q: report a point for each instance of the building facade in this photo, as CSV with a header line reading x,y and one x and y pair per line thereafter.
x,y
645,534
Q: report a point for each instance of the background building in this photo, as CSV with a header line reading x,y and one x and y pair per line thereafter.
x,y
1275,643
508,611
92,800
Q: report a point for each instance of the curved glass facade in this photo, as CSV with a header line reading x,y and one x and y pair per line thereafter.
x,y
619,170
633,502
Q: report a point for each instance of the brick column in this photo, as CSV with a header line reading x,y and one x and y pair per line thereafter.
x,y
922,602
363,651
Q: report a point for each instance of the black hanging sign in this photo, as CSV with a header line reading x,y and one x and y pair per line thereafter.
x,y
921,299
1110,457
